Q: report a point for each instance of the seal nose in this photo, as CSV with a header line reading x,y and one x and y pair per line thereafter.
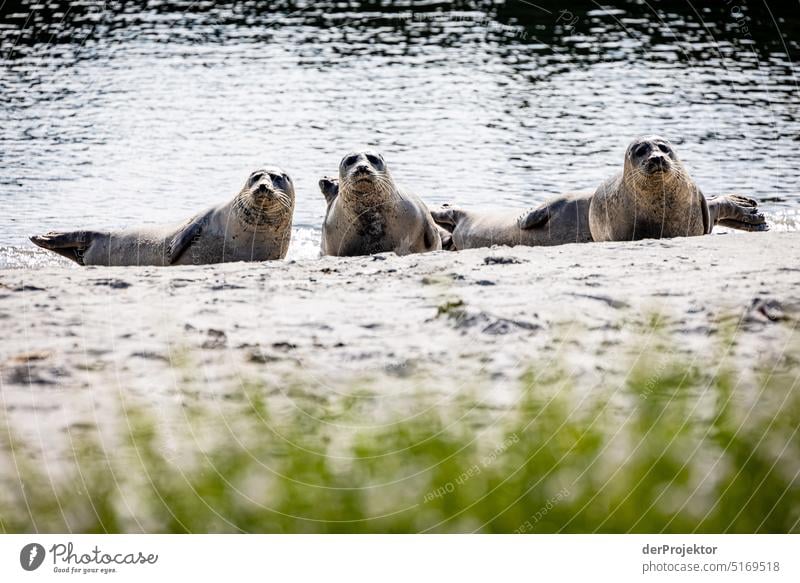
x,y
657,162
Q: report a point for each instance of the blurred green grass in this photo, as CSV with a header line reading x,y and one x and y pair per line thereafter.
x,y
672,449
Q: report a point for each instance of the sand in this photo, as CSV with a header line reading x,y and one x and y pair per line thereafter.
x,y
444,323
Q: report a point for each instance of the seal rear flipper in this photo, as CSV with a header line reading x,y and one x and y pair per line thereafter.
x,y
741,201
186,235
330,188
71,244
743,226
737,212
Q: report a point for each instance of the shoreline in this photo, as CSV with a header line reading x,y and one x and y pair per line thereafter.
x,y
305,243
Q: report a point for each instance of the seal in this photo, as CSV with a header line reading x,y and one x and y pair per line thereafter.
x,y
254,226
654,197
330,189
561,220
368,213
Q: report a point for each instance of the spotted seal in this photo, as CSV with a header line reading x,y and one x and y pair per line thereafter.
x,y
368,213
654,197
254,226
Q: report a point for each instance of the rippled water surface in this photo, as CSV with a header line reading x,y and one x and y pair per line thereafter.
x,y
118,114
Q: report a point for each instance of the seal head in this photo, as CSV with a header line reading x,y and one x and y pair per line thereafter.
x,y
266,199
652,160
365,180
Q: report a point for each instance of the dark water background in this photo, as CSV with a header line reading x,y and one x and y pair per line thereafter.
x,y
116,114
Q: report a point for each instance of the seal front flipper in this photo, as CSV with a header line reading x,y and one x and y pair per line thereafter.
x,y
186,235
708,224
446,238
71,244
539,216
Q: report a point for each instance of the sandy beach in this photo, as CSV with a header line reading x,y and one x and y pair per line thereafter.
x,y
75,339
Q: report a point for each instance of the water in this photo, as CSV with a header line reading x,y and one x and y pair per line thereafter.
x,y
115,115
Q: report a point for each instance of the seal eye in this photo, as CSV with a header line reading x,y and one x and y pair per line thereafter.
x,y
350,160
664,148
374,160
256,177
642,150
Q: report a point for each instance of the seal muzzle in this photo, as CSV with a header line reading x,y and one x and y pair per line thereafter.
x,y
657,163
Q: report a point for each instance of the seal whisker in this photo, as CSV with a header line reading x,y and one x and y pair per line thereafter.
x,y
284,201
